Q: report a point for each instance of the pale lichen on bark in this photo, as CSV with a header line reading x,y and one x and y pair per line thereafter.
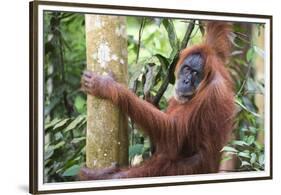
x,y
107,137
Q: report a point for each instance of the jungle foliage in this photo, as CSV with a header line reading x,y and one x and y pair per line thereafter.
x,y
153,48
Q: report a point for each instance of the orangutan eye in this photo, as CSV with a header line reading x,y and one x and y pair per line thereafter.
x,y
194,72
186,70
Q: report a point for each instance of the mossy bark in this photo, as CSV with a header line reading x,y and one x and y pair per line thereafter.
x,y
107,136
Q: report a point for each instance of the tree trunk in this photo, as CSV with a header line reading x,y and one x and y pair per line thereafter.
x,y
107,136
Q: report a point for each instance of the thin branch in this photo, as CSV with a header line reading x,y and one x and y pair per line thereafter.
x,y
139,41
201,27
187,35
135,83
195,33
244,81
242,38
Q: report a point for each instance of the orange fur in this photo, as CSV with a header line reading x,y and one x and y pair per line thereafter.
x,y
189,136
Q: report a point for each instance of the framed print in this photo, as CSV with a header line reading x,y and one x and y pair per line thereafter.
x,y
129,97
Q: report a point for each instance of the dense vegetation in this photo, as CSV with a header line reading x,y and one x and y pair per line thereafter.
x,y
153,47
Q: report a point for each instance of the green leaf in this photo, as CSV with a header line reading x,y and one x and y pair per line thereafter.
x,y
229,149
251,139
58,145
72,171
253,158
253,129
49,151
52,123
250,54
80,104
245,108
244,154
75,123
245,163
146,144
135,150
226,158
61,123
261,159
163,61
258,146
239,143
58,136
77,140
259,51
69,164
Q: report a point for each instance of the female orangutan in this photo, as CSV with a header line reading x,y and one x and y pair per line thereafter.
x,y
189,136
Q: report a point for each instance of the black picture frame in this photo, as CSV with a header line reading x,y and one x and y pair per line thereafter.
x,y
34,99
